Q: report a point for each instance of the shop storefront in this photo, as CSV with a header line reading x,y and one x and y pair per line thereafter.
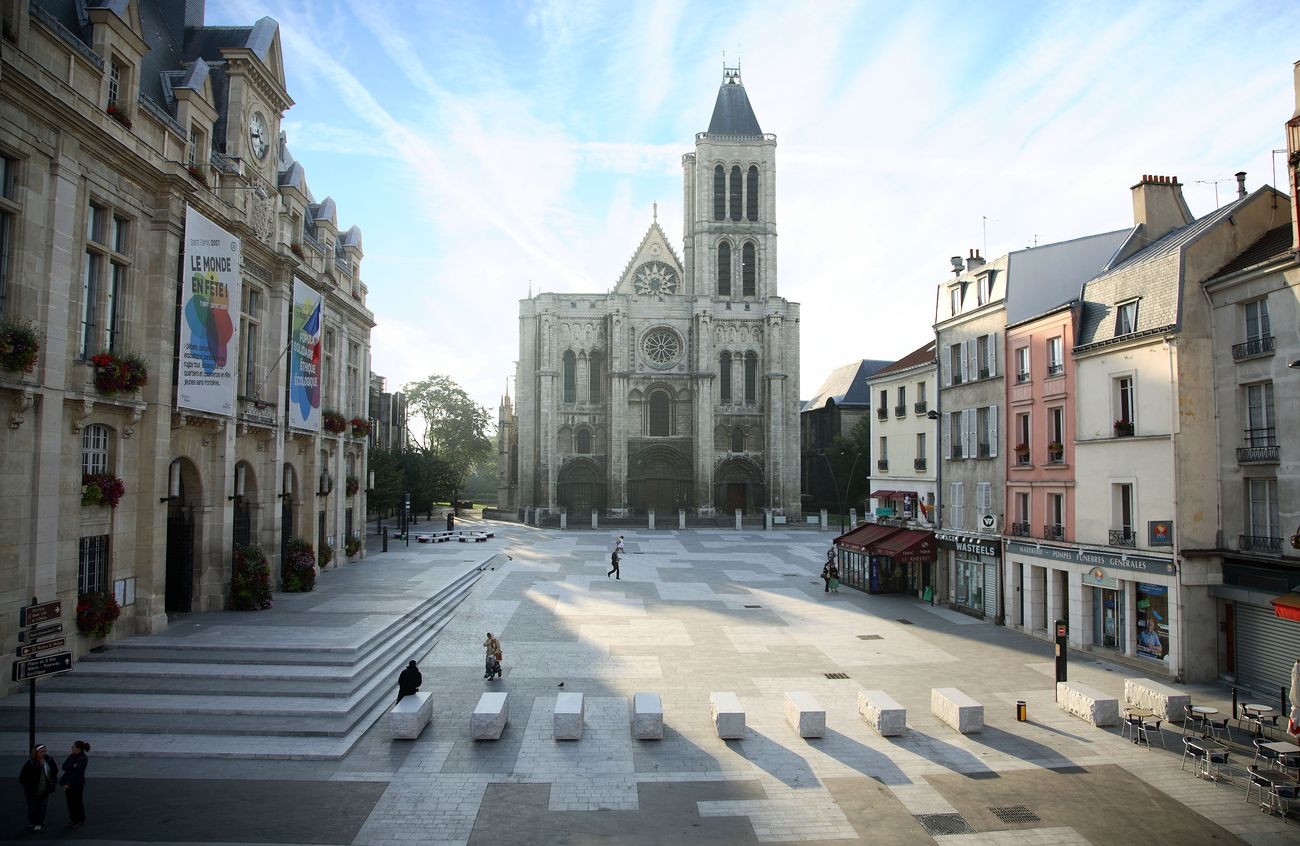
x,y
885,559
974,562
1259,612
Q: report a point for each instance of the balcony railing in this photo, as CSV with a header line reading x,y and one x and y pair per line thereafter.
x,y
1259,455
1259,543
956,450
882,464
1020,530
1253,347
882,413
1055,369
1055,531
900,411
919,407
1022,457
1122,537
1022,377
918,464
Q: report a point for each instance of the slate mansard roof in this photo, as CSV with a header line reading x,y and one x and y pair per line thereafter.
x,y
847,385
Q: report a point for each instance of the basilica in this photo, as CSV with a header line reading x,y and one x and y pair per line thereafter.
x,y
678,389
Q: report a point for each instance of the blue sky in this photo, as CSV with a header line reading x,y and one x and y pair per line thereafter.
x,y
485,147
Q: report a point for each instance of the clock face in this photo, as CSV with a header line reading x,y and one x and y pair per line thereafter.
x,y
655,278
258,140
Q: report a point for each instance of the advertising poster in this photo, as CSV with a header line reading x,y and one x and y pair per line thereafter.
x,y
305,326
1153,620
208,377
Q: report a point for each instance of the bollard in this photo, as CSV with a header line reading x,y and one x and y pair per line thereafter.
x,y
1022,711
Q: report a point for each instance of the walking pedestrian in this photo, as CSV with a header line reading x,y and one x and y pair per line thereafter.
x,y
613,565
833,583
492,661
39,778
409,681
618,546
826,577
74,783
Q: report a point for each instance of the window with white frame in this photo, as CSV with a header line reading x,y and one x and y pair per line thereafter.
x,y
1121,519
956,505
956,435
954,299
1056,430
982,356
1126,318
1056,510
1125,406
1262,514
920,393
956,364
1022,364
1022,437
354,379
1257,322
103,280
1055,356
116,82
1022,507
9,213
920,449
328,394
985,291
250,334
1260,428
92,565
94,449
883,454
900,408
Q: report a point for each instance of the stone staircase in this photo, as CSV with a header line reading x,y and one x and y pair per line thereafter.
x,y
169,697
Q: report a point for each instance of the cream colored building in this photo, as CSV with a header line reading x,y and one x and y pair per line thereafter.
x,y
904,440
111,126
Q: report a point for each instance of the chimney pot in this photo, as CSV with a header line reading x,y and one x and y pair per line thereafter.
x,y
1241,183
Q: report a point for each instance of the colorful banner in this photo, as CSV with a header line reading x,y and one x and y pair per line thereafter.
x,y
210,300
1152,620
306,323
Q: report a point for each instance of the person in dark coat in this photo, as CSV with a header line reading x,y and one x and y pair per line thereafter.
x,y
409,681
74,783
39,778
613,566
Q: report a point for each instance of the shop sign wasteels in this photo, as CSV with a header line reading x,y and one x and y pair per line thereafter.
x,y
973,544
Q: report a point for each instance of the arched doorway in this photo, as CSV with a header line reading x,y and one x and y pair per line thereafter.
x,y
659,477
183,494
288,496
738,483
581,486
245,497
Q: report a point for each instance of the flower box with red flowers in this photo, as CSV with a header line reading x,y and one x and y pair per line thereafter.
x,y
333,422
19,345
101,489
119,374
1123,428
352,486
297,251
119,114
197,174
96,613
360,427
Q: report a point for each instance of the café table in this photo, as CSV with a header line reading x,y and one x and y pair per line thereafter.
x,y
1134,715
1288,754
1257,713
1282,788
1204,712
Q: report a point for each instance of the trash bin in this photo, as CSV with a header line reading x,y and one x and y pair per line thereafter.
x,y
1022,711
451,520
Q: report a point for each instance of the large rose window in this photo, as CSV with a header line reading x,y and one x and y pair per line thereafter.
x,y
662,347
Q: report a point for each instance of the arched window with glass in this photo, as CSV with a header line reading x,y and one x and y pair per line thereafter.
x,y
724,269
594,377
748,268
751,378
724,376
751,193
737,191
659,408
570,376
719,193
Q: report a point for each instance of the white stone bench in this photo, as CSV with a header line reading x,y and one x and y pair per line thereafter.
x,y
490,717
728,716
647,716
957,709
432,537
408,718
882,713
1087,703
1165,702
477,537
570,709
804,714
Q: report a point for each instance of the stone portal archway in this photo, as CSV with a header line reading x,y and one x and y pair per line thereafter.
x,y
580,487
738,483
659,477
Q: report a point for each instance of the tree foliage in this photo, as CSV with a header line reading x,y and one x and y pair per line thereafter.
x,y
390,480
455,427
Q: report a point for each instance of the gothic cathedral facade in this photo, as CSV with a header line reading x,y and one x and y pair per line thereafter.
x,y
679,388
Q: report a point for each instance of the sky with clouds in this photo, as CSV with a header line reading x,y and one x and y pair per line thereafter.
x,y
488,147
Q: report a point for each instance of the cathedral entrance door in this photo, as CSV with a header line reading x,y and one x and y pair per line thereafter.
x,y
660,494
659,478
738,483
736,497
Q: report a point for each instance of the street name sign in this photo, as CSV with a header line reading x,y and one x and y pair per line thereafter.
x,y
34,634
42,665
30,615
31,649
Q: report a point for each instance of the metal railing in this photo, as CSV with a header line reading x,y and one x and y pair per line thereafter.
x,y
1055,531
1022,377
1056,456
1055,369
985,451
900,411
1259,455
882,464
1259,543
1122,537
918,464
919,407
1020,530
1252,348
882,413
984,373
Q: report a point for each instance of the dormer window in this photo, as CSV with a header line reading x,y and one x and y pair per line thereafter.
x,y
985,291
1126,318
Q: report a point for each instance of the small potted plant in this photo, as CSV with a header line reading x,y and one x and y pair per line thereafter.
x,y
352,546
20,344
326,556
1123,428
119,374
96,613
352,485
119,114
250,585
1022,450
101,489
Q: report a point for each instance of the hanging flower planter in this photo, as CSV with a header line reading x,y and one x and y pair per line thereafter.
x,y
1123,428
119,374
333,422
360,427
19,345
198,175
297,251
96,613
119,114
101,489
352,486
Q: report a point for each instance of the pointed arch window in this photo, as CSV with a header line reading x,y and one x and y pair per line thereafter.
x,y
593,381
719,193
582,442
751,193
737,439
570,376
748,268
737,190
751,378
659,414
724,376
724,269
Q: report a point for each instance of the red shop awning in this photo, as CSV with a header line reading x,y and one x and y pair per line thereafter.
x,y
1287,606
862,538
907,547
882,494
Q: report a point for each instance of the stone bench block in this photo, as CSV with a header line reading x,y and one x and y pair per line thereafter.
x,y
728,716
804,714
647,716
1165,702
570,709
490,717
408,718
882,713
1087,703
957,709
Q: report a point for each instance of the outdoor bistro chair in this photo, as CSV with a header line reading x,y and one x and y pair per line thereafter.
x,y
1146,726
1131,728
1263,753
1191,720
1215,728
1215,761
1260,783
1193,749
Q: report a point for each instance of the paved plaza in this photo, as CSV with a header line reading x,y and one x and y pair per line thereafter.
x,y
694,612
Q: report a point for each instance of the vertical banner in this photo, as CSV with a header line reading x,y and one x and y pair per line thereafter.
x,y
305,326
1152,620
210,300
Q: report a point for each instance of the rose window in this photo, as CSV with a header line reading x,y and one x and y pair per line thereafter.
x,y
655,277
662,347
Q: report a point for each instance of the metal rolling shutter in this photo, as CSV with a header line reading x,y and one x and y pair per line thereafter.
x,y
990,590
1267,647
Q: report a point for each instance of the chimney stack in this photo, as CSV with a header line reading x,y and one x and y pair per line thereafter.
x,y
973,260
1159,207
1241,183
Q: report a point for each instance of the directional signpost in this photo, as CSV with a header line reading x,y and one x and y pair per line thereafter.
x,y
37,658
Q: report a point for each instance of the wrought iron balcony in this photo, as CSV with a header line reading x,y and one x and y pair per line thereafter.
x,y
1122,537
1057,369
1261,447
956,450
1020,530
882,464
919,407
1252,348
1055,531
918,464
1259,543
882,413
1022,377
984,373
900,410
1056,456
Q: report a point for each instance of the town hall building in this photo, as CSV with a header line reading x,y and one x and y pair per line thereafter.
x,y
679,388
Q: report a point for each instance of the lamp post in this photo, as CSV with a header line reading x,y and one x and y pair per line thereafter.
x,y
838,497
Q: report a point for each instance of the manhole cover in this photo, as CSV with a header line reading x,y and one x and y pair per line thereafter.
x,y
837,675
908,623
870,637
753,606
1015,814
944,824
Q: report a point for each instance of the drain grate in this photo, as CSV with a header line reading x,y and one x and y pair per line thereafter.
x,y
905,622
837,675
753,606
1016,814
871,637
944,824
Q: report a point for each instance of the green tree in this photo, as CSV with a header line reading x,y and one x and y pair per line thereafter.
x,y
390,480
427,479
455,427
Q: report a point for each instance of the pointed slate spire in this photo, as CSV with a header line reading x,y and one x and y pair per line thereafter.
x,y
732,114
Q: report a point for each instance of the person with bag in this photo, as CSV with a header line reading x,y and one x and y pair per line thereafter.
x,y
826,577
493,647
74,783
39,778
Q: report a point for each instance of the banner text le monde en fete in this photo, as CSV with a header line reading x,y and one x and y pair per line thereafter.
x,y
210,299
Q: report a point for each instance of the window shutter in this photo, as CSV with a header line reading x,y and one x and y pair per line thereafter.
x,y
993,354
961,357
972,359
993,431
947,436
969,435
